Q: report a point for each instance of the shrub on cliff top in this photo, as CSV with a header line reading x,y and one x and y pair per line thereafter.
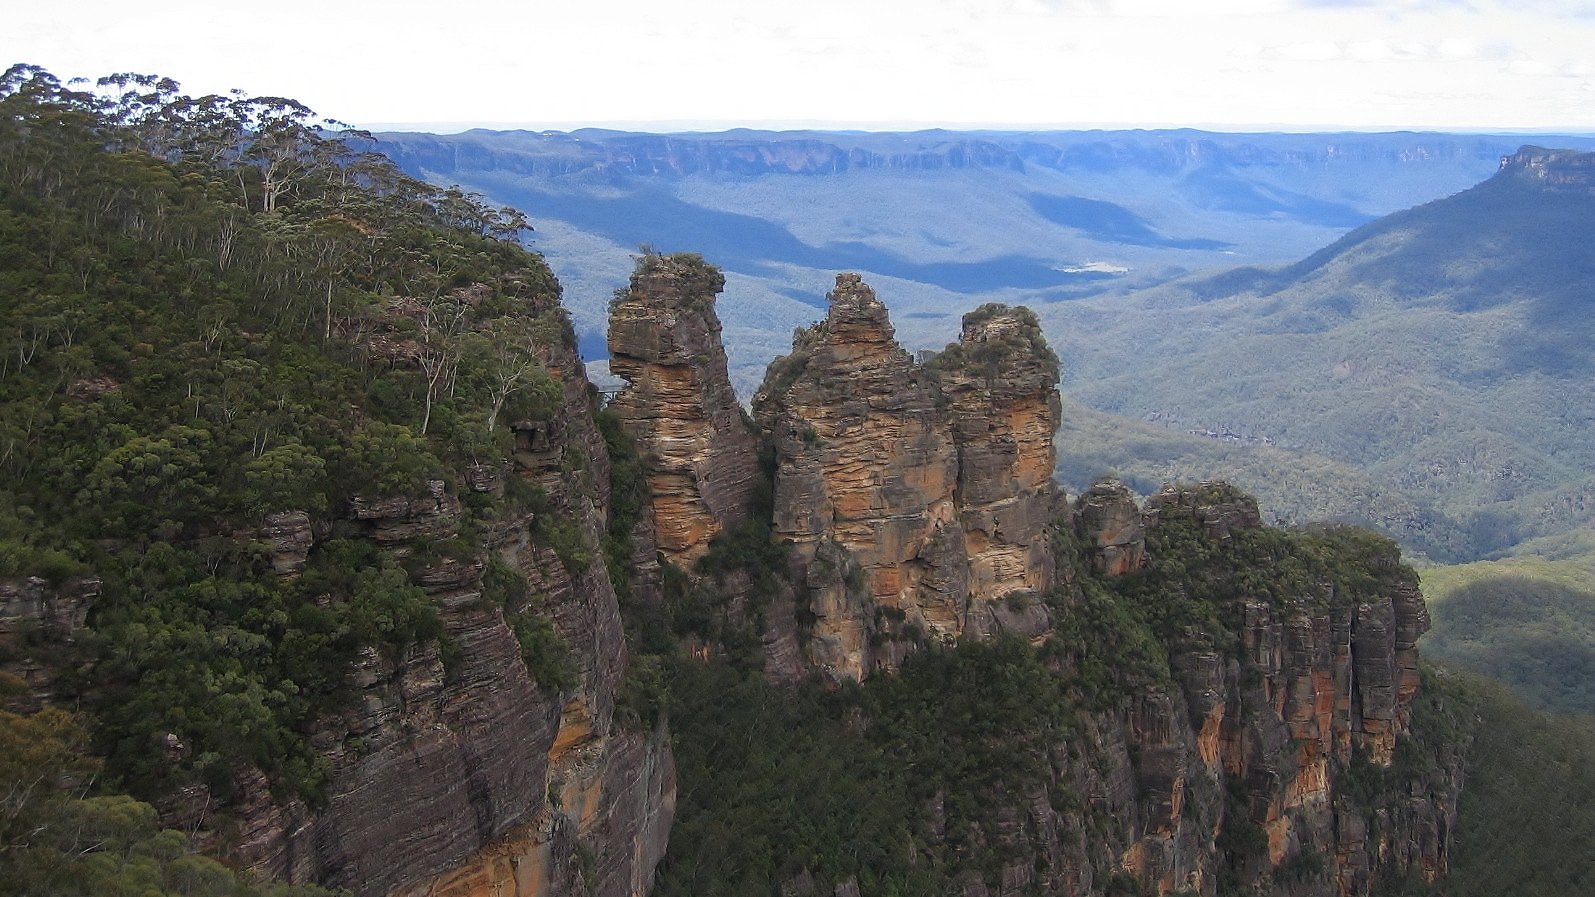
x,y
193,346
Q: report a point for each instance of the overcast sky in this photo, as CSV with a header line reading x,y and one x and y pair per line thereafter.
x,y
1223,64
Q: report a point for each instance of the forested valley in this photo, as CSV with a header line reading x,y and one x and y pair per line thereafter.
x,y
233,339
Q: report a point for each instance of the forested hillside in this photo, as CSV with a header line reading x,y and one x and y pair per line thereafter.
x,y
1438,350
231,336
323,565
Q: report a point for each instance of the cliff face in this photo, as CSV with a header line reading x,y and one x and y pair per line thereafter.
x,y
1555,171
700,459
1277,753
999,384
609,154
1257,766
466,775
912,504
1271,746
34,612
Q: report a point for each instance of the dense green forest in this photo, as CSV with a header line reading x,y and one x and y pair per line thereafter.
x,y
905,783
1438,354
1533,634
1528,809
216,309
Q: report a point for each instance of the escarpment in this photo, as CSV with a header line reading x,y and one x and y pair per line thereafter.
x,y
500,769
1253,762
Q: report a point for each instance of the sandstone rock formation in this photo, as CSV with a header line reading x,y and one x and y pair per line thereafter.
x,y
37,617
913,498
1556,171
700,458
1109,513
472,777
1000,383
1317,695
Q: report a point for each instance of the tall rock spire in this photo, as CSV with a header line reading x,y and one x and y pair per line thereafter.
x,y
701,460
913,496
1000,382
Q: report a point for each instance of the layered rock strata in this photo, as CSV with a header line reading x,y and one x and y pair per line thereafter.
x,y
1000,386
1317,694
700,459
910,497
37,619
477,779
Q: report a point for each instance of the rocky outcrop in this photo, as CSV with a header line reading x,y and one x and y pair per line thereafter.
x,y
866,469
467,775
700,459
1249,767
1109,514
914,498
58,613
38,619
1000,387
1553,170
1221,508
288,535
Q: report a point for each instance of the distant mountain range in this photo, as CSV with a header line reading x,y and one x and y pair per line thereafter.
x,y
938,220
1445,351
1350,325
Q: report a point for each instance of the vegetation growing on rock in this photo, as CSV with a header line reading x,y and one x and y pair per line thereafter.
x,y
269,409
302,470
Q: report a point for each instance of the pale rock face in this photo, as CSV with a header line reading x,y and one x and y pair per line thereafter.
x,y
290,537
701,461
1557,171
32,608
1111,519
914,497
59,612
1000,382
866,469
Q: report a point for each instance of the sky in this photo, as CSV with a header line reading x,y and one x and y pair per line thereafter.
x,y
1237,65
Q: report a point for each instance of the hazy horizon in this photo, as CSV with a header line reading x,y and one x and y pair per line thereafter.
x,y
1302,66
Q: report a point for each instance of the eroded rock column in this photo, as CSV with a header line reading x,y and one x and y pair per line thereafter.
x,y
864,486
701,461
1000,382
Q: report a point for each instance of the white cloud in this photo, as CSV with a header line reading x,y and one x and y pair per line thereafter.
x,y
1310,51
1457,48
1530,67
1239,63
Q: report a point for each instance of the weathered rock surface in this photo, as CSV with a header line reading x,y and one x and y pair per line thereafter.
x,y
1554,170
913,497
289,535
475,778
701,460
36,617
1109,515
1000,382
57,612
1317,696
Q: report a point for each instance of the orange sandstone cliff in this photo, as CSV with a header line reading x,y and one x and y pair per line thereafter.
x,y
914,496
